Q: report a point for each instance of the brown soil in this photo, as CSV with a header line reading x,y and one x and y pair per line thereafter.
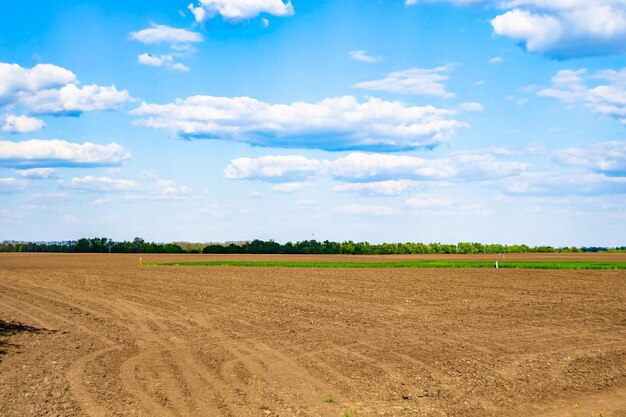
x,y
97,335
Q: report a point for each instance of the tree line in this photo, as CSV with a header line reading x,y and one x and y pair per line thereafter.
x,y
139,245
92,245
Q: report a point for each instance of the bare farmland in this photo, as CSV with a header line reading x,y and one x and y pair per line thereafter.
x,y
103,336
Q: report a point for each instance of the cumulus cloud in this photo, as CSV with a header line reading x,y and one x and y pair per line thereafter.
x,y
444,206
236,10
91,183
366,210
156,34
47,197
177,66
11,185
164,189
606,95
22,124
152,60
530,150
605,157
472,106
598,169
179,40
539,32
549,183
340,123
376,167
305,202
387,188
38,153
290,187
559,28
73,100
362,167
268,168
37,173
455,2
165,60
15,80
128,190
425,202
363,56
49,89
413,81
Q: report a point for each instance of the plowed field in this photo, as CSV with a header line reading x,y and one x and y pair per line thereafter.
x,y
99,335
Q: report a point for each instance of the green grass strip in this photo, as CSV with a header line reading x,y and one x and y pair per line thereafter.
x,y
408,264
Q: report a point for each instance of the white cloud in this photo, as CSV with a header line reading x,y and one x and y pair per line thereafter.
x,y
236,10
265,23
472,107
22,124
339,123
15,80
148,175
496,60
362,167
389,187
550,183
305,202
605,157
425,202
48,89
365,210
530,150
165,60
119,190
37,173
165,34
376,167
180,67
455,2
164,189
363,56
427,206
607,95
413,81
290,187
38,153
72,100
91,183
560,28
47,197
11,185
153,61
538,31
282,168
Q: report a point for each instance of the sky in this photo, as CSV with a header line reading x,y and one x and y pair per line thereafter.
x,y
497,121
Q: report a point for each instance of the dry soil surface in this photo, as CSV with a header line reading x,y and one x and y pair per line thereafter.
x,y
98,335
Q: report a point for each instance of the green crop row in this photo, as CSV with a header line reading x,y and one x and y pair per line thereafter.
x,y
409,264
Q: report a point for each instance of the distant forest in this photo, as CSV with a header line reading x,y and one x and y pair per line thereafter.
x,y
138,245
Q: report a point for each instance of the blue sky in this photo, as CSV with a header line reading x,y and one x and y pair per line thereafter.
x,y
450,120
